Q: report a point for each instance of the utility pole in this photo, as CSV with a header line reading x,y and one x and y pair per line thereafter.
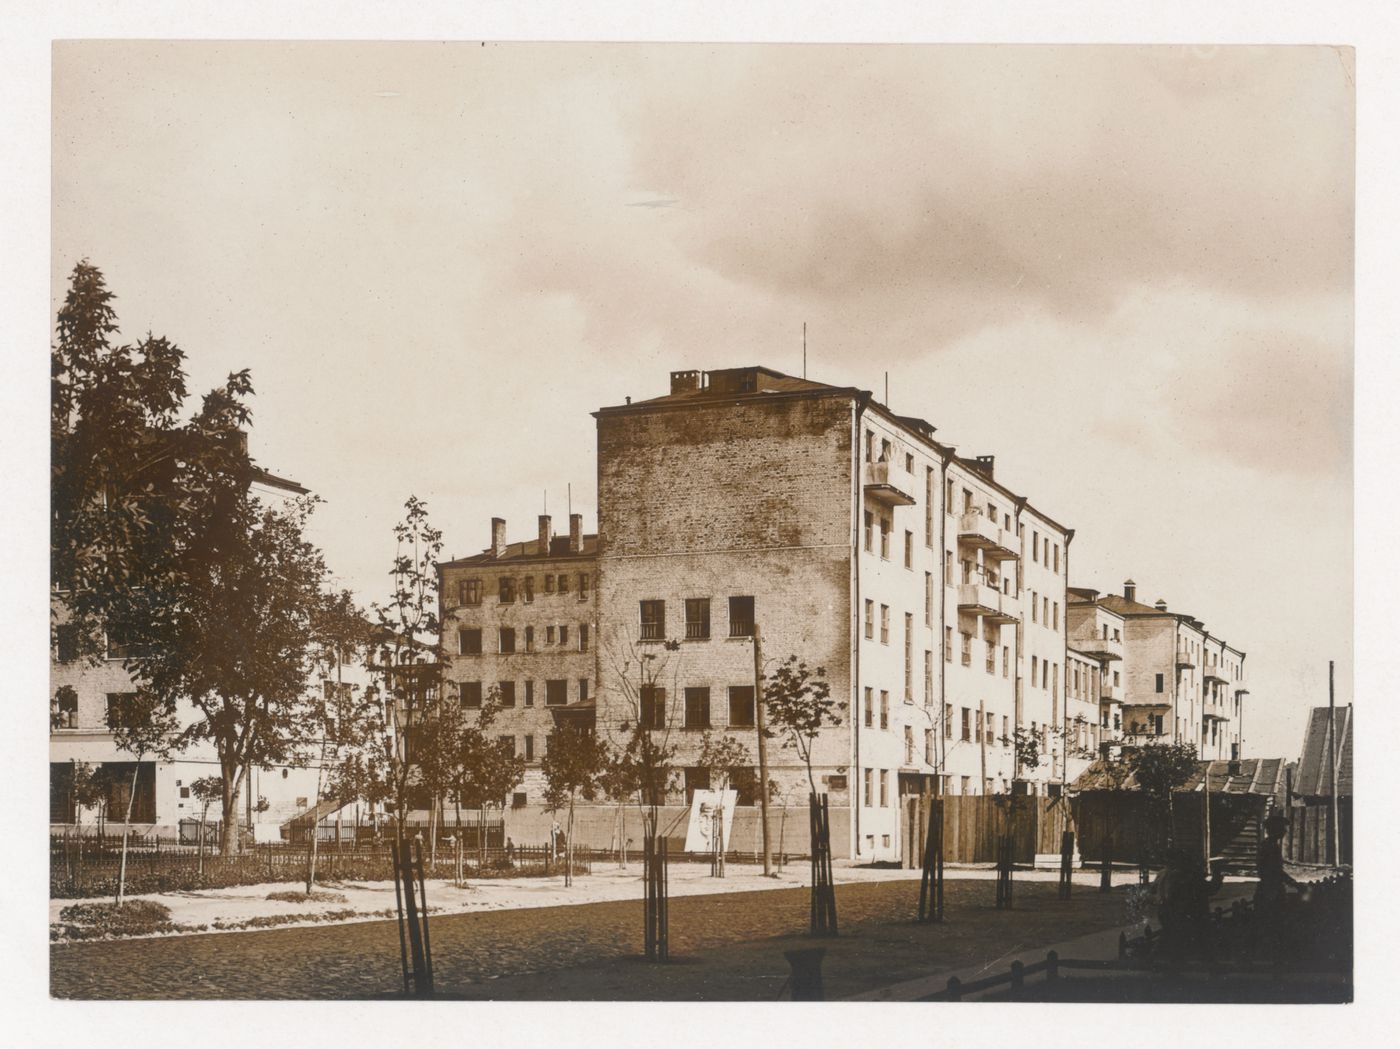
x,y
762,752
1332,753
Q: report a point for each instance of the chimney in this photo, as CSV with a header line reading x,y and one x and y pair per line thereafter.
x,y
544,535
498,536
986,465
1161,605
576,533
1129,590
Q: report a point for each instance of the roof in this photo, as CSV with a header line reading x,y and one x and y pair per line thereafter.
x,y
1314,775
727,382
1257,776
528,551
316,813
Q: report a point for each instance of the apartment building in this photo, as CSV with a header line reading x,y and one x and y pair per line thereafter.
x,y
86,703
1180,682
860,544
1082,732
519,620
1096,633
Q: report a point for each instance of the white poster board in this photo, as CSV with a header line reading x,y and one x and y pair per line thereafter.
x,y
704,806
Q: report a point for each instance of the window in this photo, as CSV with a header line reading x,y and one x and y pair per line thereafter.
x,y
928,746
741,710
529,639
583,637
528,588
507,639
529,692
1159,682
966,723
869,620
869,786
697,708
869,708
1005,660
1035,545
947,721
1035,608
1045,610
696,778
121,644
66,642
908,463
947,644
469,642
948,502
556,692
549,584
470,693
1006,729
928,599
908,549
653,706
582,689
123,711
928,678
948,568
991,733
884,450
507,590
869,532
884,708
1056,607
549,634
928,507
1057,558
741,617
563,634
966,649
563,583
884,624
697,618
908,745
583,586
529,748
884,789
1035,670
991,657
885,538
507,689
469,592
66,706
870,446
653,620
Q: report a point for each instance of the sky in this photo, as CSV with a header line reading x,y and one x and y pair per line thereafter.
x,y
1126,272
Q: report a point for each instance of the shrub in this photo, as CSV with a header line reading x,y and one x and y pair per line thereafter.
x,y
314,896
89,921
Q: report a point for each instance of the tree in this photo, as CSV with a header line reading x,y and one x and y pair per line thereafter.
x,y
723,758
141,724
798,705
643,757
1161,769
573,764
206,790
1028,745
487,768
406,657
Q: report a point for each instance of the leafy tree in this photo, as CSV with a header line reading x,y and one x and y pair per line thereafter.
x,y
798,705
724,758
642,763
1161,769
406,658
487,768
573,765
206,790
144,725
1029,746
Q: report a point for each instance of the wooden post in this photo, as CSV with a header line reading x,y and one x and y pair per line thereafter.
x,y
762,751
1336,834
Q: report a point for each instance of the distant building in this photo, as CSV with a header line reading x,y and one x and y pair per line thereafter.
x,y
520,619
1180,683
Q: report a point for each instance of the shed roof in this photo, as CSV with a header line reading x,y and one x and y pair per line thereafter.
x,y
1314,776
1257,776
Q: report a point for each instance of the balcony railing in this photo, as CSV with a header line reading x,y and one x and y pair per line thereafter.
x,y
1097,646
740,629
697,631
1110,694
1184,658
1217,672
886,483
977,530
980,599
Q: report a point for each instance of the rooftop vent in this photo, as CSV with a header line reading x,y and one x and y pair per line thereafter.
x,y
685,382
1129,590
1160,606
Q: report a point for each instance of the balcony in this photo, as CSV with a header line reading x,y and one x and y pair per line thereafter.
x,y
1101,648
1217,673
885,483
980,599
1184,659
977,530
1110,694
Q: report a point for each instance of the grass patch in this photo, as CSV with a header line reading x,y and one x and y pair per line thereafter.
x,y
314,896
98,921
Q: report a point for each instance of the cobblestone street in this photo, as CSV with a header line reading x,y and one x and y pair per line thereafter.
x,y
726,947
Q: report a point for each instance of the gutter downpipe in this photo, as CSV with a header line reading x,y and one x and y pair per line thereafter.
x,y
942,725
857,505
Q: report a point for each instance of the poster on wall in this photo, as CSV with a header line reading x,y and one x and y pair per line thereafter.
x,y
705,807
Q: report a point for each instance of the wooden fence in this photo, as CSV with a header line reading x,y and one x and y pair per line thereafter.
x,y
973,825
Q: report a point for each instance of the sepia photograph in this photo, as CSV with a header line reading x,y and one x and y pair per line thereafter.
x,y
676,522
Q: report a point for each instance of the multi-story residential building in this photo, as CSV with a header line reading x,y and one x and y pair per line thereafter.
x,y
86,703
1096,632
519,619
859,544
1180,682
1082,732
